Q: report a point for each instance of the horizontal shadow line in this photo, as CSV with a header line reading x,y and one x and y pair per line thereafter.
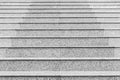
x,y
54,47
65,2
60,13
51,17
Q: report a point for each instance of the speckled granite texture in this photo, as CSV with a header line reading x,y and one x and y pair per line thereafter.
x,y
59,29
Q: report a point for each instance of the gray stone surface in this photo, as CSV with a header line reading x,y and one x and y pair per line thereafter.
x,y
59,26
56,15
59,65
59,52
60,33
29,66
59,78
90,78
55,0
89,7
83,20
90,66
59,10
57,33
39,46
75,42
84,4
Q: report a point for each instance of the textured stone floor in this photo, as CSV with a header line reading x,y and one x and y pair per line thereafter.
x,y
59,40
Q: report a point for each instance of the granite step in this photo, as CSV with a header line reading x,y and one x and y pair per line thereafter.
x,y
58,42
60,26
59,52
59,33
59,65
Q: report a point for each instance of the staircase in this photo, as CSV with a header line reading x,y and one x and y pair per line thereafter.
x,y
59,40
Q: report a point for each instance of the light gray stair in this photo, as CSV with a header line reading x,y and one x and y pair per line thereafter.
x,y
59,78
59,65
66,75
59,33
59,26
59,40
38,52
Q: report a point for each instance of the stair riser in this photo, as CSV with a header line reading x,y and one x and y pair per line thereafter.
x,y
59,78
58,33
59,42
57,21
56,15
59,52
59,26
59,65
